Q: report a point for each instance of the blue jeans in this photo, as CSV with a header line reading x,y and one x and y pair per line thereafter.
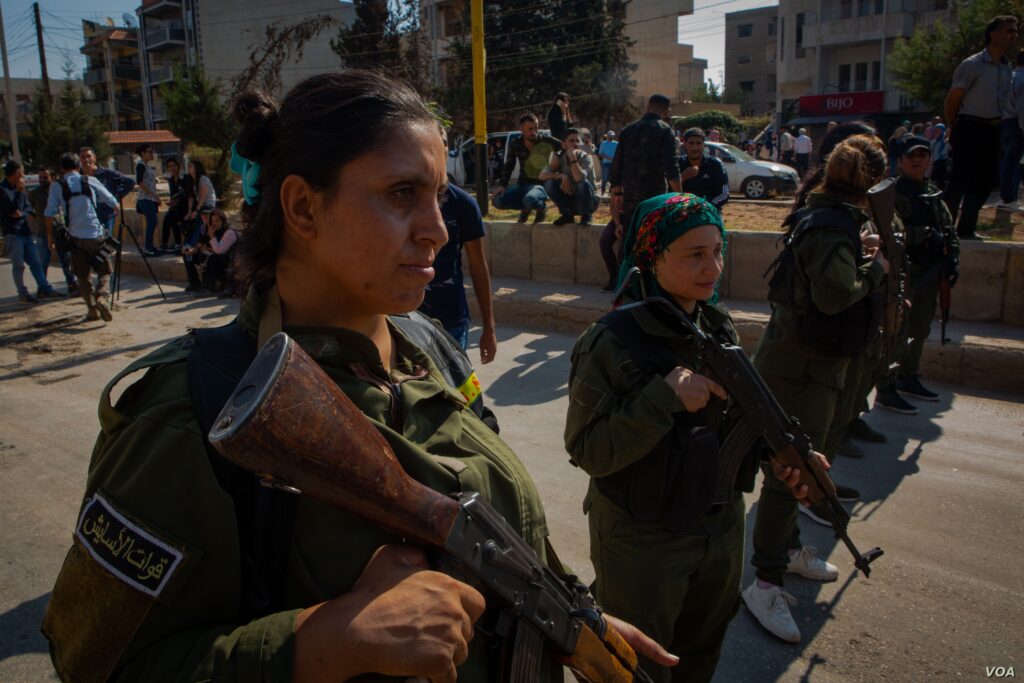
x,y
606,170
1009,173
43,251
22,251
149,209
522,197
460,333
582,203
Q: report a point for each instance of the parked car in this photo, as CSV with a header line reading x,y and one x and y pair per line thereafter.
x,y
752,178
462,158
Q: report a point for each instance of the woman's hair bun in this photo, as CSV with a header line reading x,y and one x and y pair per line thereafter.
x,y
256,112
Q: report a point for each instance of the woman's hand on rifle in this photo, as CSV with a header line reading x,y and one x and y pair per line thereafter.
x,y
790,476
400,619
640,642
693,389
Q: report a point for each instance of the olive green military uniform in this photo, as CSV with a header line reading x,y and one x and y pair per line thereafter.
x,y
807,383
931,241
172,615
682,589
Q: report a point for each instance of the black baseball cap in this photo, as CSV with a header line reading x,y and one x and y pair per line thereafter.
x,y
915,142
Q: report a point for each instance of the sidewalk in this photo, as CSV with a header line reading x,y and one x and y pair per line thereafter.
x,y
979,355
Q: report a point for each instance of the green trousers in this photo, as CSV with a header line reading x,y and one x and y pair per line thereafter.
x,y
680,589
861,376
776,531
923,288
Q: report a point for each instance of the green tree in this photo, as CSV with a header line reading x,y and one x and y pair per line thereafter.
x,y
386,36
576,46
197,113
923,64
63,125
706,120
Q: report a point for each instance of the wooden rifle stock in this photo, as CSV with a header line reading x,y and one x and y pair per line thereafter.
x,y
289,423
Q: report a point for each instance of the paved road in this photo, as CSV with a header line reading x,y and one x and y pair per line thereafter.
x,y
943,499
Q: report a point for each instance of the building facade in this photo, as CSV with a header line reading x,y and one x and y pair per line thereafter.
x,y
23,90
750,49
113,74
832,57
220,35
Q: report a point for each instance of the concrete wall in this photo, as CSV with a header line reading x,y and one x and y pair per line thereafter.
x,y
991,287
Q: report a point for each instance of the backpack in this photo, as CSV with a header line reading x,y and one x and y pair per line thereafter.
x,y
85,191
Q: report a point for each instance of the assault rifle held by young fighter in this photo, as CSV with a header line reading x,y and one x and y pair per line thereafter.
x,y
288,422
882,202
760,416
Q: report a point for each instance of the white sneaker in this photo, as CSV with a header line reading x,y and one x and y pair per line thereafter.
x,y
807,564
809,512
770,606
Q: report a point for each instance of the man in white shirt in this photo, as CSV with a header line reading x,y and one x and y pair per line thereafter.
x,y
786,142
78,196
802,146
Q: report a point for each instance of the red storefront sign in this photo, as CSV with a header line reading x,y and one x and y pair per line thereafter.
x,y
842,103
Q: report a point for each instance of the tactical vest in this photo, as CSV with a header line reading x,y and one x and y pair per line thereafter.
x,y
676,481
920,211
846,333
216,364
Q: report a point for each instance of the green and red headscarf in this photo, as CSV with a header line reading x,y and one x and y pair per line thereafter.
x,y
657,223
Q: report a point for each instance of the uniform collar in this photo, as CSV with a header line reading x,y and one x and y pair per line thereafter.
x,y
707,316
818,200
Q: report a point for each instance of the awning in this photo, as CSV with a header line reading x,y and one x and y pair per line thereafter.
x,y
138,137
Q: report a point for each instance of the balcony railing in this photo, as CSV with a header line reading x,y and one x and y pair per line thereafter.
x,y
165,38
161,8
160,74
121,72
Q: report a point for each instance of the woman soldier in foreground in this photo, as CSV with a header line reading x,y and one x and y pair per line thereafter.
x,y
646,426
164,580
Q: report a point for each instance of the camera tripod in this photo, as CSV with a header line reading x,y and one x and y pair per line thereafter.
x,y
122,227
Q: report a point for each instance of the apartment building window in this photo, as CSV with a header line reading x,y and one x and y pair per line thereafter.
x,y
782,39
800,19
940,4
743,59
745,30
876,75
771,83
771,26
860,77
845,9
879,6
844,77
747,86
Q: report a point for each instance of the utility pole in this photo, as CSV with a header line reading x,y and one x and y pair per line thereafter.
x,y
9,92
479,103
42,51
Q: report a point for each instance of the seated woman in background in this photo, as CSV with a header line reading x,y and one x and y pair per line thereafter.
x,y
214,251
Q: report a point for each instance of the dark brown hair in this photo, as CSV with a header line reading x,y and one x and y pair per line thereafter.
x,y
856,164
996,23
324,122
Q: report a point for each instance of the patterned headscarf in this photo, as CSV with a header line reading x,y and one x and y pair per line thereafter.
x,y
657,223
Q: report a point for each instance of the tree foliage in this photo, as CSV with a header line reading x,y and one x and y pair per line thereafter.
x,y
706,120
923,64
576,46
198,114
385,36
62,125
279,45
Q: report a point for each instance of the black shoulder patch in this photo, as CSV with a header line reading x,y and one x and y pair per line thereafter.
x,y
136,556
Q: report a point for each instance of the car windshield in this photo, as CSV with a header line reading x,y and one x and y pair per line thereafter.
x,y
735,152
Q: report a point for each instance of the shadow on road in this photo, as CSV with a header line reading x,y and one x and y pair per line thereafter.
x,y
748,646
19,628
546,355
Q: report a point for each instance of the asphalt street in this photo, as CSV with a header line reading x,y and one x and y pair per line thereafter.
x,y
942,498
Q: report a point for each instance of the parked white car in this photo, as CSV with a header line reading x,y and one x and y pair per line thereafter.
x,y
752,178
462,159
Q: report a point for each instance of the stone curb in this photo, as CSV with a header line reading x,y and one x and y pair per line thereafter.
x,y
983,356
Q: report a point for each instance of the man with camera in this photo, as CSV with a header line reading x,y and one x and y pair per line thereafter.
x,y
91,245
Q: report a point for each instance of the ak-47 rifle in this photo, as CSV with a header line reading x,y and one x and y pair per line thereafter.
x,y
288,422
882,201
760,416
